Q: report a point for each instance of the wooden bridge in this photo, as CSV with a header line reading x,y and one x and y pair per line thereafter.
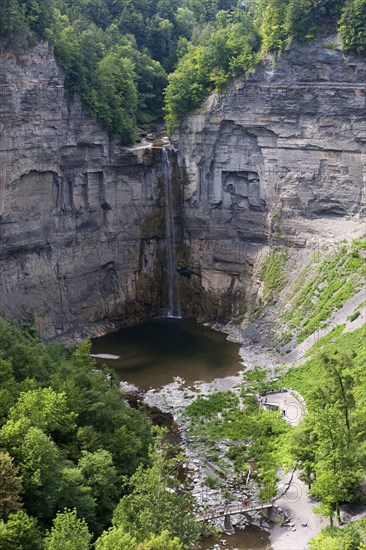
x,y
223,511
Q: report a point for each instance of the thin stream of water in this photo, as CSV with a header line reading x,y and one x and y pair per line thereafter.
x,y
173,309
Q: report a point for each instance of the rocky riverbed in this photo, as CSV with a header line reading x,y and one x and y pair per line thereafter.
x,y
173,399
295,502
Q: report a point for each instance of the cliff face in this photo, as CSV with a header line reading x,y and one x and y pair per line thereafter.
x,y
278,160
80,216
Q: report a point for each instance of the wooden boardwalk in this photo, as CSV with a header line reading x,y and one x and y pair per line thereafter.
x,y
222,511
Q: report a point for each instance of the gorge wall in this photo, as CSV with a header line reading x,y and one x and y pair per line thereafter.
x,y
81,217
278,160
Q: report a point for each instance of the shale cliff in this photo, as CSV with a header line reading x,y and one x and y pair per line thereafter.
x,y
80,216
277,161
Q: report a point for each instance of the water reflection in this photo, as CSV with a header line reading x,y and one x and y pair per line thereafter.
x,y
250,538
150,355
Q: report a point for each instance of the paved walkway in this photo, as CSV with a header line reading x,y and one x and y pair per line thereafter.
x,y
298,506
290,406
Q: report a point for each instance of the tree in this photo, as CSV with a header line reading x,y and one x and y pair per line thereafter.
x,y
304,447
73,492
8,388
327,442
13,25
20,532
10,486
352,26
350,537
68,533
46,410
300,20
157,502
272,28
117,96
161,542
115,539
39,463
101,476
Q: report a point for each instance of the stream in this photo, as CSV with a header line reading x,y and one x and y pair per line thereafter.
x,y
169,361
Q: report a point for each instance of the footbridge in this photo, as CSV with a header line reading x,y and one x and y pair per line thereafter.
x,y
223,511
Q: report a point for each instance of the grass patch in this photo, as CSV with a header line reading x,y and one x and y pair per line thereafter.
x,y
272,272
325,340
354,315
333,281
306,377
212,405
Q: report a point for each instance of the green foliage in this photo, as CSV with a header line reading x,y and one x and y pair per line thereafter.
x,y
212,404
161,542
334,280
273,25
350,537
46,410
352,26
263,434
212,482
38,460
157,502
328,445
272,272
20,532
354,316
224,50
117,55
305,377
115,539
69,432
100,475
10,486
68,533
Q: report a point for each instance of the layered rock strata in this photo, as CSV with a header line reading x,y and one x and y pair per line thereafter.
x,y
81,218
278,160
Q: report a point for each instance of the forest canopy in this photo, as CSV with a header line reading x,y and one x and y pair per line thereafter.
x,y
120,55
75,457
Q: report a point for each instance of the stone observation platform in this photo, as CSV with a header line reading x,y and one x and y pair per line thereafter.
x,y
291,404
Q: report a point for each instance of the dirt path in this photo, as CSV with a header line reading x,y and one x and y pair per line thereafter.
x,y
340,317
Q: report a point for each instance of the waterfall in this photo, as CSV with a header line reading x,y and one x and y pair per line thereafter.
x,y
173,305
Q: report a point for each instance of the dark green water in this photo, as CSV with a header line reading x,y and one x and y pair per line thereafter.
x,y
153,353
250,538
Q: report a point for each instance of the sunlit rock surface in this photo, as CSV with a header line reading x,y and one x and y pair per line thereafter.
x,y
277,160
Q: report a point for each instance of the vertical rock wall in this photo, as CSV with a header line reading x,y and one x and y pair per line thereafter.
x,y
81,222
278,160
